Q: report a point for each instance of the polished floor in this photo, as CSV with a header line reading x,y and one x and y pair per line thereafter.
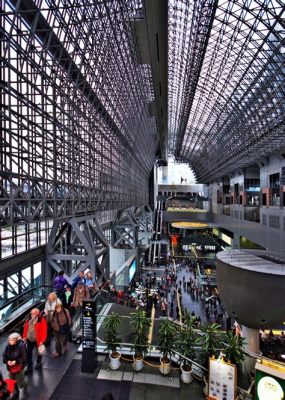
x,y
123,384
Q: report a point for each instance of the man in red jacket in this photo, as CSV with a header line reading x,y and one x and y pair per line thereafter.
x,y
35,334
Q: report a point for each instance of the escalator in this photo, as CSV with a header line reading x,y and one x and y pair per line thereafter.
x,y
14,310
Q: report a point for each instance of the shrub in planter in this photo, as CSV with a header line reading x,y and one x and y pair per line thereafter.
x,y
140,325
166,340
210,342
185,346
111,325
233,348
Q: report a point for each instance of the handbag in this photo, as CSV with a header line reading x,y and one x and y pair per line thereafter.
x,y
14,369
64,329
42,350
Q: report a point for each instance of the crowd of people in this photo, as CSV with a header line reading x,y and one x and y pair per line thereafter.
x,y
163,293
23,353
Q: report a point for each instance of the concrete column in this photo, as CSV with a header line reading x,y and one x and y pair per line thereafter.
x,y
251,344
165,175
236,243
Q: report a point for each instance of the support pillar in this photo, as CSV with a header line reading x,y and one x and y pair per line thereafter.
x,y
251,344
164,174
236,241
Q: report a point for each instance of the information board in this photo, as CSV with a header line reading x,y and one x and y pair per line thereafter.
x,y
88,336
222,380
88,325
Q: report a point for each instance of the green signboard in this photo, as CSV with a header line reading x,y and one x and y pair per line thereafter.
x,y
270,382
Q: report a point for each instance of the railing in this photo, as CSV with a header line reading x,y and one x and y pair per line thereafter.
x,y
199,372
252,214
14,307
244,393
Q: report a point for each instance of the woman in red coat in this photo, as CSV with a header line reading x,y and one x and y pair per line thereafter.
x,y
35,334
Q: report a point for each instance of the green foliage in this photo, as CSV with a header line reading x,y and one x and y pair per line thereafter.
x,y
210,342
111,325
166,337
140,325
185,340
233,348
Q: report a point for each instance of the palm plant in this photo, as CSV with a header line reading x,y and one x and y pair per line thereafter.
x,y
186,340
140,324
166,338
111,325
210,342
233,349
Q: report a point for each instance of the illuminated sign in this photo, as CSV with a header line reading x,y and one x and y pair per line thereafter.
x,y
132,270
270,381
269,388
189,225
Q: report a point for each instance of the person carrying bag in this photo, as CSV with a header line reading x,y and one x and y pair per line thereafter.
x,y
35,334
60,323
15,358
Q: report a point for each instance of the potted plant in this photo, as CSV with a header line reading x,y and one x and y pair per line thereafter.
x,y
111,325
233,348
185,347
166,338
210,343
140,325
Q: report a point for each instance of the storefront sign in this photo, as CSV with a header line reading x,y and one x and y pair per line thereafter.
x,y
270,381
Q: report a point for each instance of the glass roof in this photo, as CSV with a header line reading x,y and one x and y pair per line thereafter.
x,y
226,83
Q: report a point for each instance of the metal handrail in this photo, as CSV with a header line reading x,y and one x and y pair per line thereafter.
x,y
16,298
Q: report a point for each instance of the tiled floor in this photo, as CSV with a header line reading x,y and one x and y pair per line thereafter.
x,y
123,384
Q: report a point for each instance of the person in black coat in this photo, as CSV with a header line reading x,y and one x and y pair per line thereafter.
x,y
15,358
67,299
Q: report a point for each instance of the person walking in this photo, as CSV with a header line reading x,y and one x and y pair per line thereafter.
x,y
67,299
35,334
91,284
8,389
80,278
52,301
60,323
80,293
59,283
15,358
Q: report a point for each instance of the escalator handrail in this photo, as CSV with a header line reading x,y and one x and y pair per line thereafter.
x,y
13,299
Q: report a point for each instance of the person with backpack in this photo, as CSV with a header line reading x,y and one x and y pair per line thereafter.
x,y
15,358
60,323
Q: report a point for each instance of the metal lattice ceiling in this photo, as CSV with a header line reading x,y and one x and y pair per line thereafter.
x,y
226,83
77,133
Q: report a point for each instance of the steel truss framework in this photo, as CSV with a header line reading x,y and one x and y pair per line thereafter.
x,y
77,134
127,224
226,83
82,243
